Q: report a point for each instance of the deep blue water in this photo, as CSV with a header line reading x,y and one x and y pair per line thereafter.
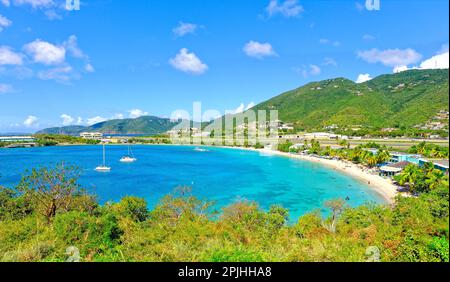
x,y
221,174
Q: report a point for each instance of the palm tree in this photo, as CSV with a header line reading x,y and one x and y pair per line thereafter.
x,y
409,175
371,160
428,167
434,178
383,156
421,148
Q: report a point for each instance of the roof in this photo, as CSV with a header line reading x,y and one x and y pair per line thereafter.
x,y
397,167
442,163
400,165
390,169
399,154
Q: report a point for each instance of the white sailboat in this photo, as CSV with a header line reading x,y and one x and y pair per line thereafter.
x,y
129,158
197,149
103,168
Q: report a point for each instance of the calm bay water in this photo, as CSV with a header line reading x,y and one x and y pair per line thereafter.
x,y
220,174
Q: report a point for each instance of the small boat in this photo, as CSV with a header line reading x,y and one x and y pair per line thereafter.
x,y
103,167
129,158
197,149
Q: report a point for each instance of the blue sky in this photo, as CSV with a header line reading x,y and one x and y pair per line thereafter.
x,y
112,60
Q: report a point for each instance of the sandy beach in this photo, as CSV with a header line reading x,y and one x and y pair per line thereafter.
x,y
382,186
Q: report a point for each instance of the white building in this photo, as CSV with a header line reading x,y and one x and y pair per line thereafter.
x,y
322,135
16,139
287,127
202,134
91,135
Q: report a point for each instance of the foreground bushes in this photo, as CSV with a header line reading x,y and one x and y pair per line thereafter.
x,y
184,228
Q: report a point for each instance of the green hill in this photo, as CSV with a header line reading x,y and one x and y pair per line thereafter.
x,y
404,99
65,130
143,125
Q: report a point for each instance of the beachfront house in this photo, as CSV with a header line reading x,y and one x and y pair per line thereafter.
x,y
397,157
442,165
393,168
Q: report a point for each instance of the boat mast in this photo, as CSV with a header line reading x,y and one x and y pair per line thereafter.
x,y
104,163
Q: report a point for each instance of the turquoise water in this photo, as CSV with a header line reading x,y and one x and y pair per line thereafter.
x,y
221,174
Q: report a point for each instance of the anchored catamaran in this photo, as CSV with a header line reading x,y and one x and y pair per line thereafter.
x,y
103,168
129,158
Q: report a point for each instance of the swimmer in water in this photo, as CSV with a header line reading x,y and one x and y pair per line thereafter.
x,y
348,198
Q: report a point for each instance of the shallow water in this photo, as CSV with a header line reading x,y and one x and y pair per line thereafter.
x,y
220,174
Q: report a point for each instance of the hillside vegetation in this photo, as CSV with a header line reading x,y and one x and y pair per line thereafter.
x,y
48,217
404,99
401,101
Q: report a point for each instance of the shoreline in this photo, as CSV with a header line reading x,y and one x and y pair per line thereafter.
x,y
384,187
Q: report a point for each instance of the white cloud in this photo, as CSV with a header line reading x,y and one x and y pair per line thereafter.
x,y
35,3
241,108
363,78
50,55
135,113
398,69
53,15
390,57
288,8
4,22
368,37
59,74
50,8
439,61
94,120
184,28
250,105
306,71
67,120
31,121
326,41
259,50
79,121
118,116
71,46
45,52
9,57
18,72
359,6
89,68
314,70
336,43
188,62
329,62
6,88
